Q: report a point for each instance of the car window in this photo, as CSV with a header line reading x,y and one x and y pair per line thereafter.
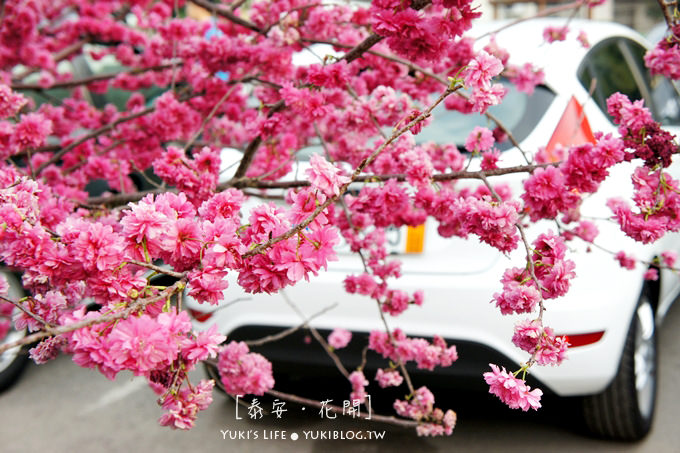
x,y
519,113
607,64
663,94
617,65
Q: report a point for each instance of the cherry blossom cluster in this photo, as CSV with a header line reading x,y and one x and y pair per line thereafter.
x,y
401,349
664,57
511,390
656,197
546,349
643,136
244,372
89,258
432,421
553,273
339,338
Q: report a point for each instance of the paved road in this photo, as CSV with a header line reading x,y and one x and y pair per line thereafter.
x,y
59,407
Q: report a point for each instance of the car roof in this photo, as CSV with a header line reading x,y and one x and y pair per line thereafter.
x,y
559,60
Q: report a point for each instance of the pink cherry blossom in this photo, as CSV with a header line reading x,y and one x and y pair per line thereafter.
x,y
325,176
339,338
512,391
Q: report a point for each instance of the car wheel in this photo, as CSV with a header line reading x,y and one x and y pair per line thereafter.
x,y
625,410
13,361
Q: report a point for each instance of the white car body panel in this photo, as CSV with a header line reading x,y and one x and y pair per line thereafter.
x,y
460,277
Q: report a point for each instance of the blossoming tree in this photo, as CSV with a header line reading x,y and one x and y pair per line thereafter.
x,y
88,261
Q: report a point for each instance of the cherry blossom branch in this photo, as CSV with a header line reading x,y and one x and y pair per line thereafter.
x,y
95,133
135,305
317,336
28,312
159,269
546,12
254,183
61,55
367,161
284,333
405,373
228,14
338,410
219,103
350,56
94,78
666,9
234,6
439,79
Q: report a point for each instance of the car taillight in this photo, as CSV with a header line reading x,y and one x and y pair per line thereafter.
x,y
583,339
415,239
200,316
572,129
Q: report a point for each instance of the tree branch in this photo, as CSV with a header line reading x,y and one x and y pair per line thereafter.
x,y
135,305
228,14
94,78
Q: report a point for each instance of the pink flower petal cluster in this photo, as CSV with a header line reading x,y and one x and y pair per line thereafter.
x,y
651,274
553,270
400,348
480,139
31,131
477,75
664,58
552,34
625,260
554,273
669,258
388,378
525,77
533,337
481,69
47,349
512,391
339,338
243,372
182,407
644,137
419,407
141,344
546,194
657,199
432,420
10,102
325,177
196,177
421,35
359,383
462,214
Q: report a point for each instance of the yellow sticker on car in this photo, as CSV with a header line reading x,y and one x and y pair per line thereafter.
x,y
415,239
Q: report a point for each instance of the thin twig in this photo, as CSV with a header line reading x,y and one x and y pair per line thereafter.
x,y
290,330
95,133
135,305
28,312
228,14
191,142
544,13
318,337
90,79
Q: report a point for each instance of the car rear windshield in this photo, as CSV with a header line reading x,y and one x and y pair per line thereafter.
x,y
519,113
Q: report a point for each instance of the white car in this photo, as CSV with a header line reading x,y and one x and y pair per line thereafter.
x,y
610,314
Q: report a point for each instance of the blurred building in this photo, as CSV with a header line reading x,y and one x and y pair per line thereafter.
x,y
639,14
